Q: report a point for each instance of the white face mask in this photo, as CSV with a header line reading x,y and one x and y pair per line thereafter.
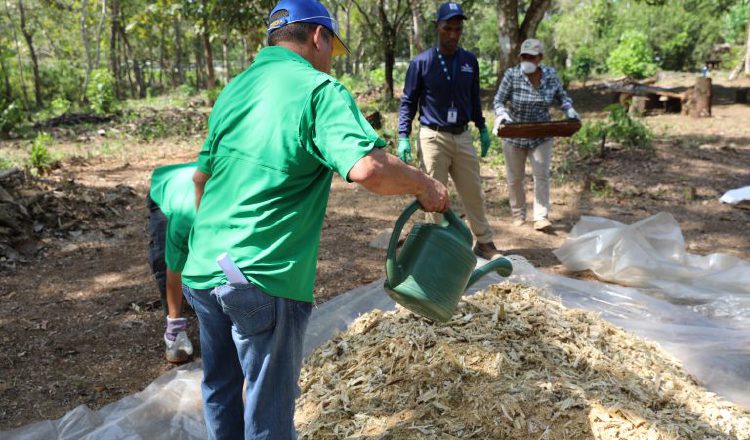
x,y
528,67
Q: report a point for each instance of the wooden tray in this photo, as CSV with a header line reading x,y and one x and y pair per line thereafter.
x,y
540,129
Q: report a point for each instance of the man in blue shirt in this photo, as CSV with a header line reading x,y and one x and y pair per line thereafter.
x,y
443,83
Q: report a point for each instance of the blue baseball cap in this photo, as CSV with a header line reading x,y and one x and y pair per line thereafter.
x,y
308,11
446,11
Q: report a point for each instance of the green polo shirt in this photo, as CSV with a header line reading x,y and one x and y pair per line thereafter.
x,y
173,192
276,134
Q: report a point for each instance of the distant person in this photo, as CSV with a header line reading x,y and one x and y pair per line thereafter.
x,y
443,84
276,135
526,93
171,205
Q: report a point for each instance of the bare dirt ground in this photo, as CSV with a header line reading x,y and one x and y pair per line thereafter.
x,y
79,315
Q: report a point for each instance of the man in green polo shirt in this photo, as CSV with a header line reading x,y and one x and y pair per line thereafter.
x,y
277,133
171,205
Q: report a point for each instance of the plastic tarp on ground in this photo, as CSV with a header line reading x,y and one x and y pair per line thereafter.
x,y
712,342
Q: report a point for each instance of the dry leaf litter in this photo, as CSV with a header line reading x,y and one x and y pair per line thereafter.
x,y
35,211
509,365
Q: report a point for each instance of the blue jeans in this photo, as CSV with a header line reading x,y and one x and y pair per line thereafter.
x,y
246,334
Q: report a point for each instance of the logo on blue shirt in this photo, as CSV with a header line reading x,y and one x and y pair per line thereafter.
x,y
467,68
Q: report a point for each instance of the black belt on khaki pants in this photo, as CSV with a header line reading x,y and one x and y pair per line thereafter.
x,y
453,130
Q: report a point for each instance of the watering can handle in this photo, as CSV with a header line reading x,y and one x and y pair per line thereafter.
x,y
391,269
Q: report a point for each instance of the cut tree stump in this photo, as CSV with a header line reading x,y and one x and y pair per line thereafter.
x,y
698,103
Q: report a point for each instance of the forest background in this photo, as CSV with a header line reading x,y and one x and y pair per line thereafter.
x,y
61,57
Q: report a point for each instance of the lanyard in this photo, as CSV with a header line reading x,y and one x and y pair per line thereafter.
x,y
451,76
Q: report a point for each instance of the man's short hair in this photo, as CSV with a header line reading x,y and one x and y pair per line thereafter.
x,y
293,32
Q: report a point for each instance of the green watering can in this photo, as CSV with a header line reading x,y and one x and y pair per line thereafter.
x,y
435,266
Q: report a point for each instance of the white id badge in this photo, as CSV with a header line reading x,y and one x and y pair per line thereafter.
x,y
452,115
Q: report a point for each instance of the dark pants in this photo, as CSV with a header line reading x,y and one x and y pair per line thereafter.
x,y
157,229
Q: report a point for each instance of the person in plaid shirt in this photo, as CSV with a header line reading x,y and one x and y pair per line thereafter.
x,y
526,93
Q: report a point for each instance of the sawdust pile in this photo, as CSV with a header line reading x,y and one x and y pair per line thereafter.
x,y
510,365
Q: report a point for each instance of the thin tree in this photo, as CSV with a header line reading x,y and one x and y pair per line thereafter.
x,y
28,36
24,93
416,34
392,15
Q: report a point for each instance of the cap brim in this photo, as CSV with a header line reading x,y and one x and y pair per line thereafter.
x,y
454,15
339,47
533,53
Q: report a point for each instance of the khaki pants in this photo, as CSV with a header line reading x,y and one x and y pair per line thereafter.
x,y
515,170
444,154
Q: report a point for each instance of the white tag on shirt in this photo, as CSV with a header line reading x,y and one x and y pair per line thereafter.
x,y
452,115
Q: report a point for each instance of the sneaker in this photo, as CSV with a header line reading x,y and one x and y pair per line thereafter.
x,y
519,222
488,251
542,225
179,350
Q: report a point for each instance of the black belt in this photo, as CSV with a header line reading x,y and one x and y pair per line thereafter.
x,y
456,129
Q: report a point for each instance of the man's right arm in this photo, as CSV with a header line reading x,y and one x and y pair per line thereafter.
x,y
409,99
384,174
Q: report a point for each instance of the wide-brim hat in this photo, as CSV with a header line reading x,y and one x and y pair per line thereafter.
x,y
308,11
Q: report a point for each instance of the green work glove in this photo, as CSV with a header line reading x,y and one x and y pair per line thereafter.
x,y
484,138
404,149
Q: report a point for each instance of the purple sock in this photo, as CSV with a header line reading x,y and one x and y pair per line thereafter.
x,y
174,327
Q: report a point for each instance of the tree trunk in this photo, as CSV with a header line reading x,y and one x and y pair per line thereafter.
x,y
8,93
162,55
137,68
24,93
86,44
389,55
200,81
348,62
114,59
534,15
225,56
507,34
178,52
34,62
99,31
416,35
511,35
206,34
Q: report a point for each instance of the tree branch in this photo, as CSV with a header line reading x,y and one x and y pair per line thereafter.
x,y
532,18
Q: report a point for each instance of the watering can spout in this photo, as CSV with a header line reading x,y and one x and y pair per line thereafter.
x,y
500,265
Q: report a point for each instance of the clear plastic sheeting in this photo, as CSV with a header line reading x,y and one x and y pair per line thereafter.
x,y
650,254
716,353
169,408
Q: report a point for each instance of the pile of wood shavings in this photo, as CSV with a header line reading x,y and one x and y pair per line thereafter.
x,y
509,365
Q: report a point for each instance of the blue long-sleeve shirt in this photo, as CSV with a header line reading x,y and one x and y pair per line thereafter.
x,y
428,89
